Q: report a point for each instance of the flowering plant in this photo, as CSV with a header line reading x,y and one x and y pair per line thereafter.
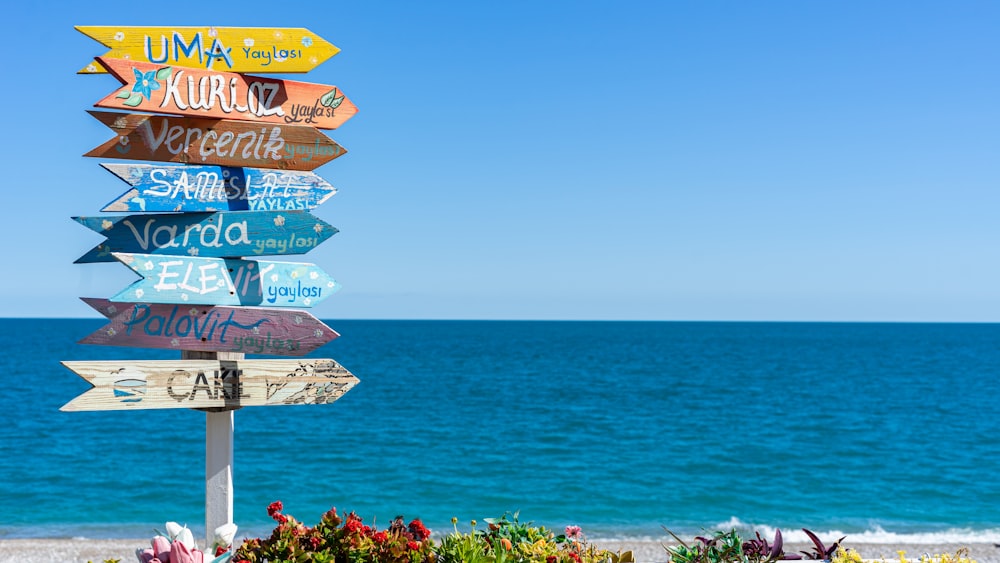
x,y
335,540
850,556
511,541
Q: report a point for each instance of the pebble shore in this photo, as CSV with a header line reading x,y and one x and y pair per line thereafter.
x,y
96,551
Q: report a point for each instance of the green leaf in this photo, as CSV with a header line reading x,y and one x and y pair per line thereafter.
x,y
336,102
124,93
133,100
328,98
164,72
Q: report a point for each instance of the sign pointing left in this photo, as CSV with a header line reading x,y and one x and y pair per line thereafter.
x,y
219,234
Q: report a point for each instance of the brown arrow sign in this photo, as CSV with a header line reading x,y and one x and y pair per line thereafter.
x,y
196,384
225,142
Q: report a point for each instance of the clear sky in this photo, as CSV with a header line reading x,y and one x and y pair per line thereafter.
x,y
684,160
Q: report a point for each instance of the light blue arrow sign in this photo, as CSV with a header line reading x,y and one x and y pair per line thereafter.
x,y
176,187
221,281
220,234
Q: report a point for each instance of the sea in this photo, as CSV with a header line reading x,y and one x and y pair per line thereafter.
x,y
873,431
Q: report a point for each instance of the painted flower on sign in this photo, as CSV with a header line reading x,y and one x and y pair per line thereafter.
x,y
145,83
120,36
307,41
248,42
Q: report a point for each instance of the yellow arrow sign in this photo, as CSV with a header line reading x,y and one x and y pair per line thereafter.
x,y
234,49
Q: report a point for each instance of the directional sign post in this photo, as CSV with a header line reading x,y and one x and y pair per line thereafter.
x,y
235,49
218,234
225,95
224,281
224,142
173,187
231,182
244,330
212,384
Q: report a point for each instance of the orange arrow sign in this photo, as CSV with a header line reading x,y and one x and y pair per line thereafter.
x,y
214,141
225,95
236,49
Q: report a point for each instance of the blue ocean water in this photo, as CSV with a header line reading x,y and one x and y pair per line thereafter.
x,y
872,430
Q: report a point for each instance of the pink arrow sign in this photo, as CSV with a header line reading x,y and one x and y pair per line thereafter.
x,y
249,330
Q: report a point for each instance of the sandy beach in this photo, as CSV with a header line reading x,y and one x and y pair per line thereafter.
x,y
84,550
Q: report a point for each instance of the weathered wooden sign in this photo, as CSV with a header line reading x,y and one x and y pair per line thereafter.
x,y
220,234
225,142
236,49
224,95
178,187
173,384
224,281
248,330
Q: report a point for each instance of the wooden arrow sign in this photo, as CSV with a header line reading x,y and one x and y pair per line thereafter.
x,y
197,384
248,330
224,281
218,234
236,49
225,95
176,187
224,142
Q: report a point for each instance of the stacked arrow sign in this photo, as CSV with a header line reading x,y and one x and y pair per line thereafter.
x,y
242,189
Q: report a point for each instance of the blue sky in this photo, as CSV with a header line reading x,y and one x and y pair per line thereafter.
x,y
583,160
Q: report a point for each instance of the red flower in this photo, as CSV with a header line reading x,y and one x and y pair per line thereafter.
x,y
275,508
419,531
380,537
281,518
574,557
220,550
414,546
353,526
551,559
315,542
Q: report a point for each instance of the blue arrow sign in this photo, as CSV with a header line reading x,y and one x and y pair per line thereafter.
x,y
219,234
176,187
221,281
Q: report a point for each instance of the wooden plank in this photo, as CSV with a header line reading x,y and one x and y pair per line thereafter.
x,y
248,330
224,142
218,234
178,187
173,384
236,49
224,281
224,95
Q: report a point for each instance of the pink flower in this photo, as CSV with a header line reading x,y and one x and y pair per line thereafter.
x,y
161,548
179,553
573,531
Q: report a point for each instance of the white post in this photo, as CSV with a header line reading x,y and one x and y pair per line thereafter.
x,y
219,424
218,472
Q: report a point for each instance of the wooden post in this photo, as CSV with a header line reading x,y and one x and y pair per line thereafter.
x,y
219,425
